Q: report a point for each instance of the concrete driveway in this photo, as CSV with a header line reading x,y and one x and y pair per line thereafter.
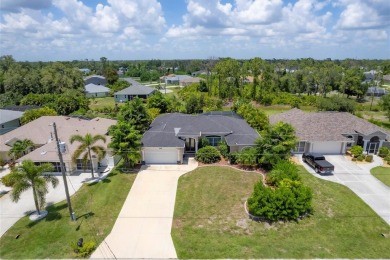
x,y
358,178
11,212
143,227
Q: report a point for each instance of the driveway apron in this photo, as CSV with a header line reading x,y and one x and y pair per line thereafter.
x,y
143,227
358,178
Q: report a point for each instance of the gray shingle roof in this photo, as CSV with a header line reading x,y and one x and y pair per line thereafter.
x,y
93,88
136,90
9,115
325,126
166,130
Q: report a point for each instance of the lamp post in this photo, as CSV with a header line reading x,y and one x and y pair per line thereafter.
x,y
72,215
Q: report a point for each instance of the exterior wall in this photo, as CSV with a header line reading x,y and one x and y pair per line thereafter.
x,y
386,144
98,94
9,126
125,98
239,148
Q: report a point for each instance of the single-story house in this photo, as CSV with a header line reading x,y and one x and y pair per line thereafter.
x,y
9,120
172,135
95,79
174,79
93,90
21,108
370,75
189,81
376,92
332,132
85,71
135,90
41,133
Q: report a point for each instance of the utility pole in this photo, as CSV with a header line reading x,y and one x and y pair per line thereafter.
x,y
72,216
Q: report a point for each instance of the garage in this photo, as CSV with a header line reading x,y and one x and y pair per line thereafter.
x,y
327,147
160,155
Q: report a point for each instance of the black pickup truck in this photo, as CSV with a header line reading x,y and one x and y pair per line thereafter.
x,y
318,162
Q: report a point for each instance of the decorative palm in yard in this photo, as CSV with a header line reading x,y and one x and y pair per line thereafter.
x,y
28,175
86,147
19,148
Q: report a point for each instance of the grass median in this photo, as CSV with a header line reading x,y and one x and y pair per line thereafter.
x,y
97,207
210,222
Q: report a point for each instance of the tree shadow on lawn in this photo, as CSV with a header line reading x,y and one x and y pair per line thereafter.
x,y
83,217
53,214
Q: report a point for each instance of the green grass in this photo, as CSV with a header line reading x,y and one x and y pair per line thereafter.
x,y
382,174
97,207
210,222
99,103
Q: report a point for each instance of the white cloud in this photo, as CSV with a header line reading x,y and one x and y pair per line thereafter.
x,y
258,11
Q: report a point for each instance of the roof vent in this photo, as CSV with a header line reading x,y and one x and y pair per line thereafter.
x,y
43,152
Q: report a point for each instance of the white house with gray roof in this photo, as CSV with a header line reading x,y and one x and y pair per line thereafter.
x,y
9,120
172,135
93,90
135,90
332,132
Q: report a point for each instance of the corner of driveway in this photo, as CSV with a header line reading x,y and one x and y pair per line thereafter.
x,y
359,179
143,227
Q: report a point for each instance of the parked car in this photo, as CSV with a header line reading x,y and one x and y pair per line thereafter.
x,y
318,162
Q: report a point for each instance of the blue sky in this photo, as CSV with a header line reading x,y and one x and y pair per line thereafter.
x,y
194,29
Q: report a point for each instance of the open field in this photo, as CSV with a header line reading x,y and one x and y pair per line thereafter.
x,y
97,207
210,222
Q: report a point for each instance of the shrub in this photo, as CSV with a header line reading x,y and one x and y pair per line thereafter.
x,y
354,159
203,142
8,180
369,158
387,159
283,170
208,154
247,157
289,201
356,150
223,149
383,151
233,158
360,158
85,250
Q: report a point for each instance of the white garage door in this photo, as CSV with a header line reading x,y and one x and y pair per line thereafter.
x,y
327,147
162,155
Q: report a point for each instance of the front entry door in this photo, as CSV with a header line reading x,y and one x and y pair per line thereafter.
x,y
372,147
190,145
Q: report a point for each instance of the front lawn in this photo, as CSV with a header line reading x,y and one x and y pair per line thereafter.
x,y
382,174
96,206
100,103
210,222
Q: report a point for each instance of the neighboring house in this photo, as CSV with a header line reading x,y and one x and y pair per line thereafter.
x,y
40,132
92,90
21,108
9,120
95,79
172,135
370,75
189,81
332,132
135,90
85,71
376,92
199,72
174,79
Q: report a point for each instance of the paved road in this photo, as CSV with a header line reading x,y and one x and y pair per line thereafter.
x,y
143,227
11,212
358,178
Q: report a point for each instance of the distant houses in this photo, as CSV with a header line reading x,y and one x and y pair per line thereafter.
x,y
95,86
135,90
173,79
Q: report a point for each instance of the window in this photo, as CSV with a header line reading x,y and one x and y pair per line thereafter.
x,y
300,147
214,140
80,165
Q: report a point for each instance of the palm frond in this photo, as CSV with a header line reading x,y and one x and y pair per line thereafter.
x,y
77,138
99,151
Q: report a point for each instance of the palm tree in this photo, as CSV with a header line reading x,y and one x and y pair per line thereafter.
x,y
28,175
86,147
19,148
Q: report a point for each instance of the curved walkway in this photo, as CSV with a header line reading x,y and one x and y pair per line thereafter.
x,y
358,178
143,227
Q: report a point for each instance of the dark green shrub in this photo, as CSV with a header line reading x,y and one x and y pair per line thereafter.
x,y
383,152
369,158
203,142
356,150
8,180
208,154
247,157
360,158
85,250
233,158
354,159
387,159
223,149
289,201
282,170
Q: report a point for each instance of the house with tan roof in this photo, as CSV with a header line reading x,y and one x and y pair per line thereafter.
x,y
332,132
41,133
